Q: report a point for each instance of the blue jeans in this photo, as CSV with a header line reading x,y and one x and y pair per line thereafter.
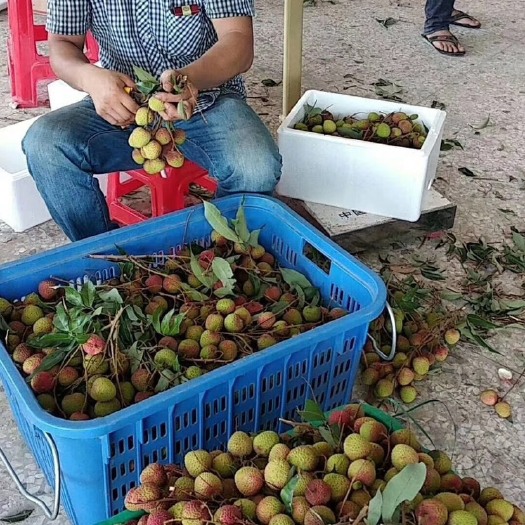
x,y
64,148
437,13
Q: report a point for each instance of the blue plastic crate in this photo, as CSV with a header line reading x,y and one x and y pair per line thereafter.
x,y
100,460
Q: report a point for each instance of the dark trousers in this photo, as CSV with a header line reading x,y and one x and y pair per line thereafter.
x,y
437,13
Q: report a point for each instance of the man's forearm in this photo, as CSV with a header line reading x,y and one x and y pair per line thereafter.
x,y
226,59
69,63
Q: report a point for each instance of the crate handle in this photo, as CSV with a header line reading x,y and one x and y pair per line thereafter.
x,y
50,514
378,351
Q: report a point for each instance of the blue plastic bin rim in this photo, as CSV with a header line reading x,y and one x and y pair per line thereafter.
x,y
102,426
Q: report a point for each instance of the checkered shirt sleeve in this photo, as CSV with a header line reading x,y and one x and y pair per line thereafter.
x,y
227,8
68,17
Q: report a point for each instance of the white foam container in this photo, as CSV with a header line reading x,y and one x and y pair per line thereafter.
x,y
353,174
21,205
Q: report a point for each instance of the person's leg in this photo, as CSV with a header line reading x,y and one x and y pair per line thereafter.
x,y
63,149
232,143
436,29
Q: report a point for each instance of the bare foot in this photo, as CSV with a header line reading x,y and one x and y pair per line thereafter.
x,y
448,43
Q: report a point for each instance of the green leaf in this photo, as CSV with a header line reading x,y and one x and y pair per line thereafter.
x,y
155,320
240,225
223,271
254,238
295,278
192,294
112,296
51,340
218,222
19,516
73,297
4,327
143,75
88,293
327,435
312,412
478,322
451,296
374,509
287,493
196,268
171,325
167,380
519,241
350,133
403,487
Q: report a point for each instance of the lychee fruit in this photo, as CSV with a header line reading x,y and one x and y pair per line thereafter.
x,y
503,409
144,117
337,463
403,455
405,376
155,474
304,457
247,506
43,382
299,509
139,137
304,479
488,494
318,492
94,345
103,389
183,488
31,314
240,444
406,436
207,486
277,474
47,402
348,509
265,341
312,314
363,471
478,511
144,497
377,454
432,482
228,350
67,376
356,447
267,508
452,336
105,408
500,507
341,418
159,517
72,403
431,512
141,379
279,451
408,394
166,358
461,517
264,442
42,326
384,388
282,519
214,322
373,431
21,353
319,515
156,105
244,314
442,463
197,462
162,136
195,512
451,501
224,465
451,482
175,158
339,485
192,372
249,481
227,515
323,449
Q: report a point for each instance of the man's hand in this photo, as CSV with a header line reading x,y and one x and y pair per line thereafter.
x,y
187,99
112,102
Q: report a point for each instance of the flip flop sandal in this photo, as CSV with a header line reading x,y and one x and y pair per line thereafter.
x,y
459,16
451,39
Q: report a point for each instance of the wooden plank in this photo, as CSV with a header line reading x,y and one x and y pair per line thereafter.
x,y
293,54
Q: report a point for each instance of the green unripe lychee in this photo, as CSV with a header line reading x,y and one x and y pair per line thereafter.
x,y
500,507
139,137
304,457
144,116
356,447
153,166
277,474
156,105
197,462
329,126
264,442
338,463
339,484
461,517
383,130
105,408
103,389
151,150
408,394
31,314
403,455
240,444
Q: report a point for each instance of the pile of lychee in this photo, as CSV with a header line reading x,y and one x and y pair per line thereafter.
x,y
396,128
103,373
423,342
155,141
272,479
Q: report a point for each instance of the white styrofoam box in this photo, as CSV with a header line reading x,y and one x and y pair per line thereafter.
x,y
62,94
354,174
21,205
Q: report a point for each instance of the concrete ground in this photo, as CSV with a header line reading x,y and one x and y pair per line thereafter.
x,y
346,50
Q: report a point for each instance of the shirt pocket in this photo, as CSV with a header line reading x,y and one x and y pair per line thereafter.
x,y
185,29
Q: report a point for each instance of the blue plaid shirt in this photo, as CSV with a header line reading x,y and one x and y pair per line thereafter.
x,y
154,35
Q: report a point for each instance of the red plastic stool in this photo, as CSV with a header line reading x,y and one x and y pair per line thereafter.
x,y
167,194
27,67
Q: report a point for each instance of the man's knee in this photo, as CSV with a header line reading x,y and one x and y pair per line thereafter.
x,y
255,171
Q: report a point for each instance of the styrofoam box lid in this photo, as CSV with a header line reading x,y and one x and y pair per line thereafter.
x,y
341,104
12,158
